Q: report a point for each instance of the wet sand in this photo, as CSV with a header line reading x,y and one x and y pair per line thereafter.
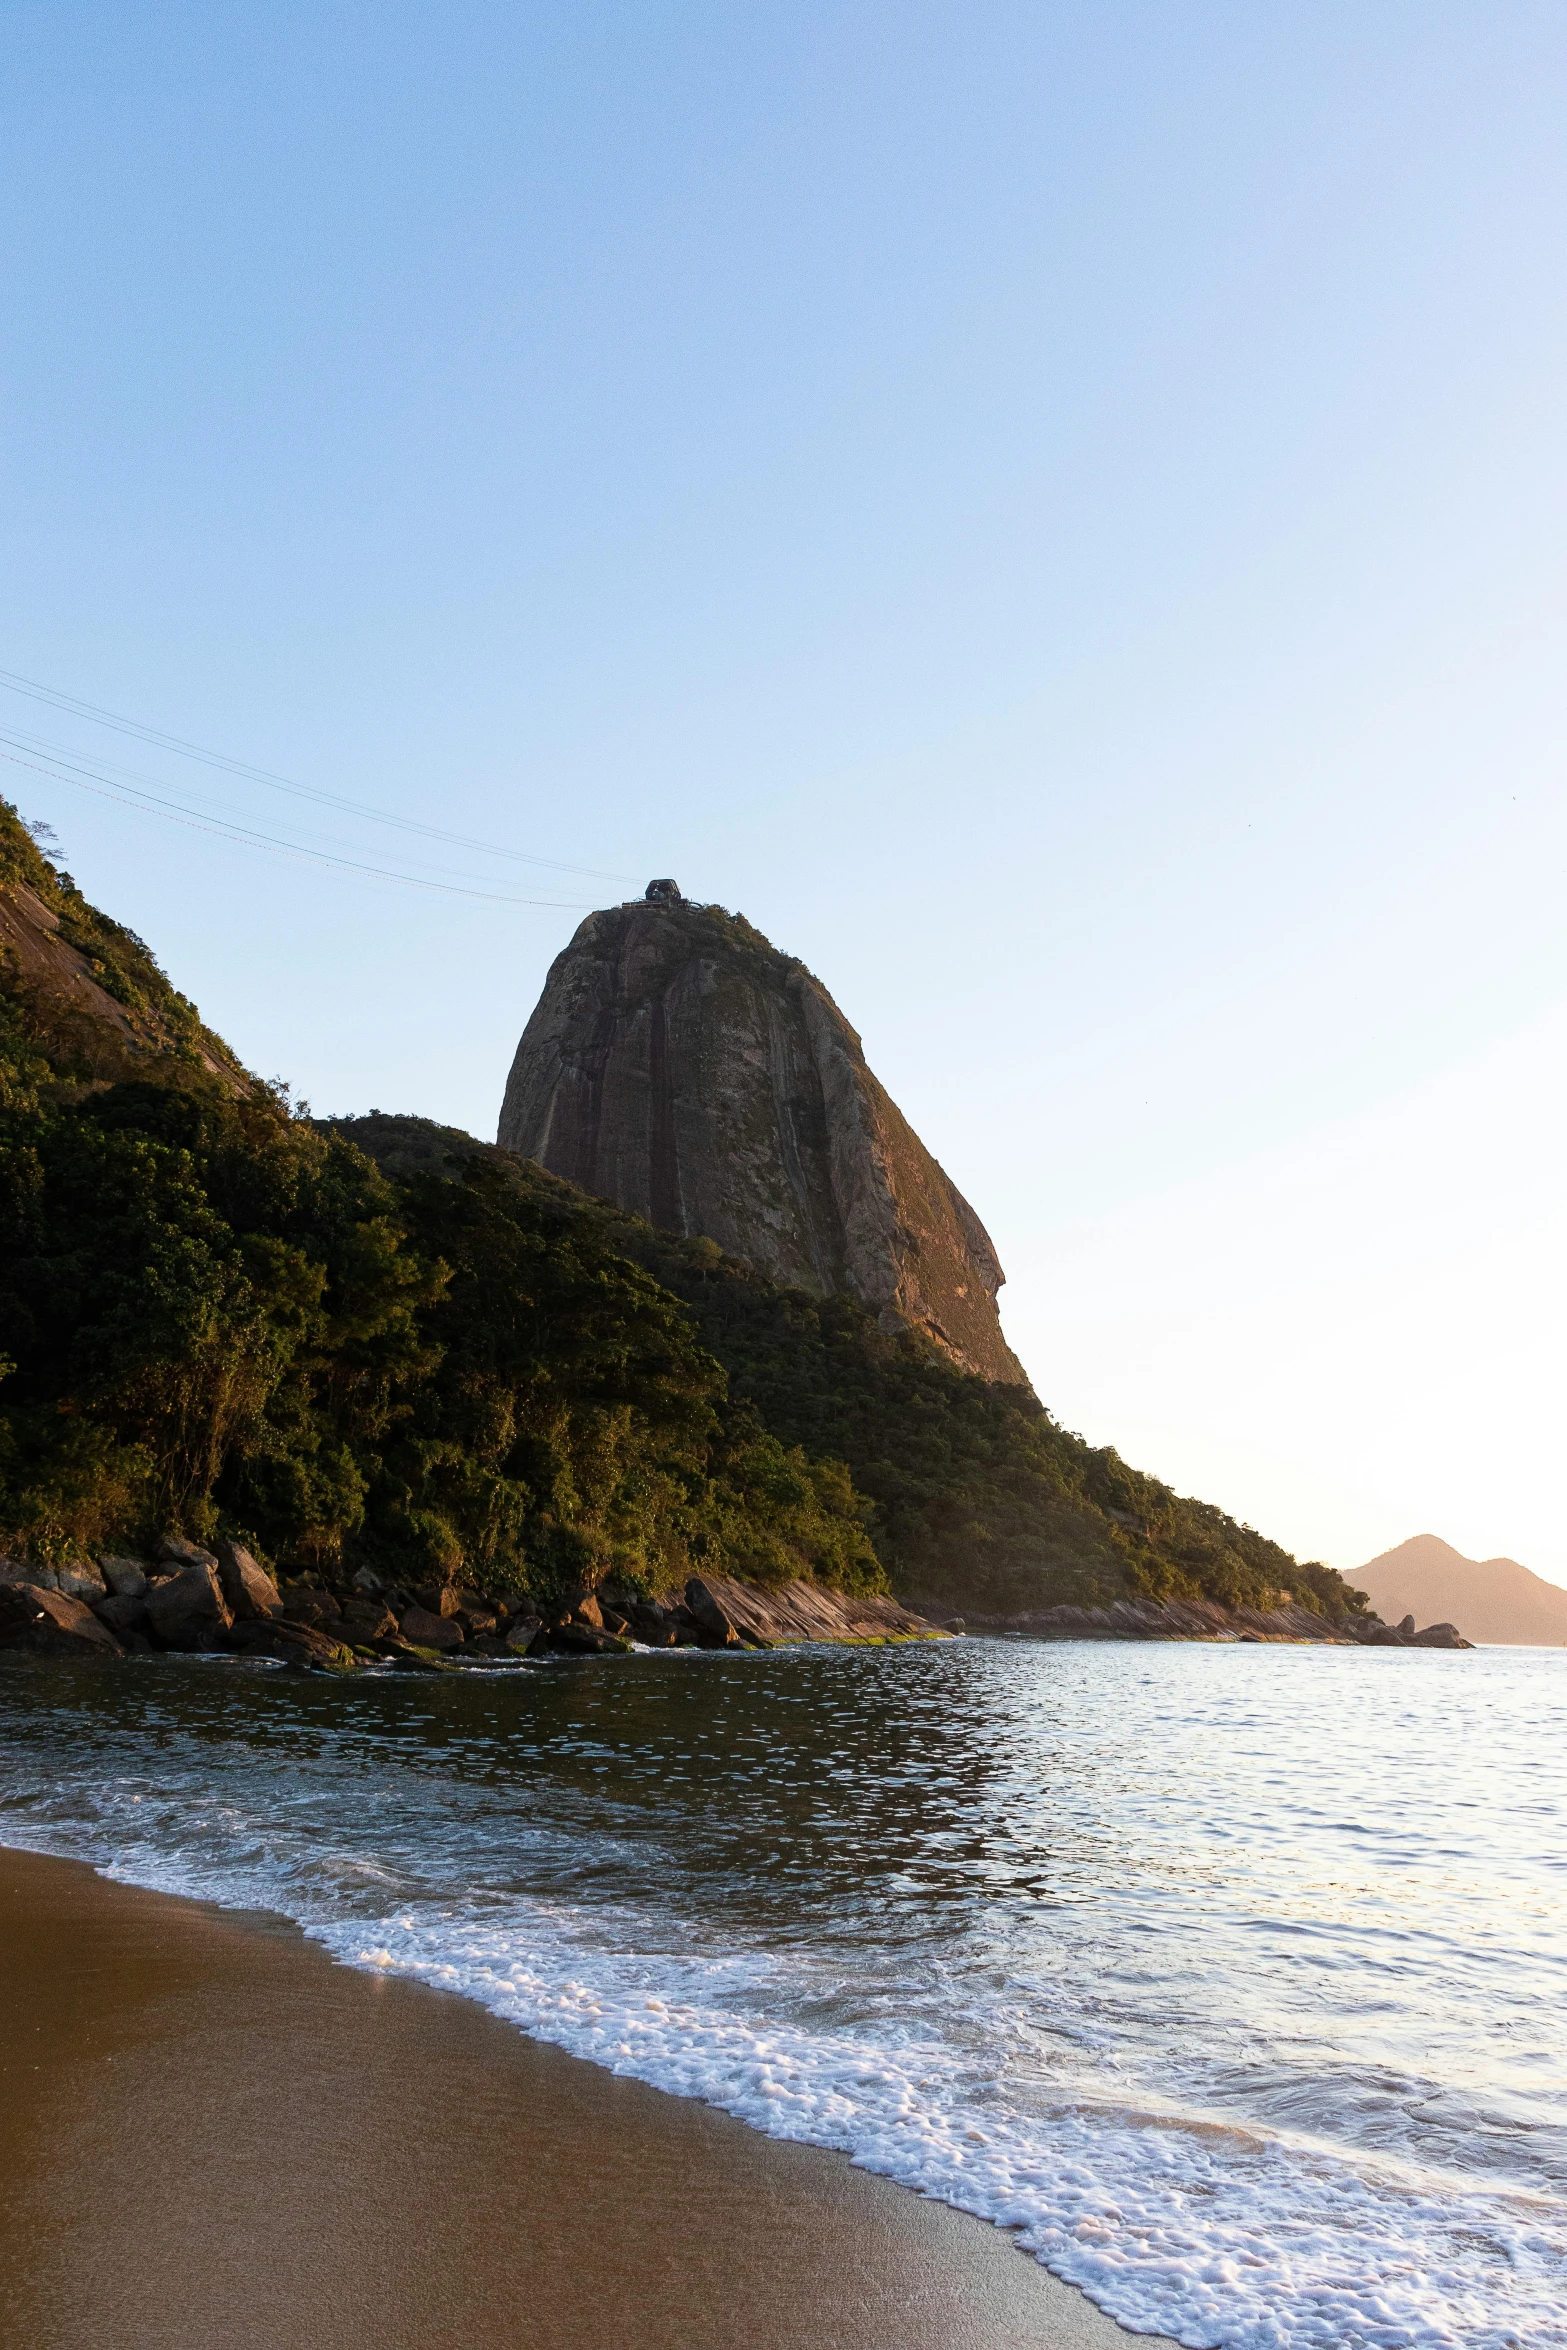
x,y
213,2138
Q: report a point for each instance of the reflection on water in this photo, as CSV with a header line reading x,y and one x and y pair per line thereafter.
x,y
1232,1976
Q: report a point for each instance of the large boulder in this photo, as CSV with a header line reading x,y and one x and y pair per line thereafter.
x,y
286,1643
42,1622
476,1615
711,1616
1441,1636
302,1603
249,1590
188,1610
80,1579
367,1619
126,1578
439,1599
125,1612
578,1639
427,1630
175,1551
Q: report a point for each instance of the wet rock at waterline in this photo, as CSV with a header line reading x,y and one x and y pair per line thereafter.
x,y
41,1622
188,1610
182,1606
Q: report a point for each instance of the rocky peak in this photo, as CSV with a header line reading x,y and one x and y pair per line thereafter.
x,y
680,1066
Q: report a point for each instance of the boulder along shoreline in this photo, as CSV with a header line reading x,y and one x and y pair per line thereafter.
x,y
193,1601
189,1600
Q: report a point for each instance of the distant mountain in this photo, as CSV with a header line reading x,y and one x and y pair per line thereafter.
x,y
1488,1599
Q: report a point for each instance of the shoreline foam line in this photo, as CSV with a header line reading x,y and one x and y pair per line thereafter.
x,y
329,2160
1222,2239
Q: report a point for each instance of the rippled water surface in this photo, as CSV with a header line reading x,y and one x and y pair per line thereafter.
x,y
1231,1977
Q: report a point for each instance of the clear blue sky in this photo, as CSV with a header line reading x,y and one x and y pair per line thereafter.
x,y
1057,513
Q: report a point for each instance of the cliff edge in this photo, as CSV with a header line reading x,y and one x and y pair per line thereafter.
x,y
681,1067
82,999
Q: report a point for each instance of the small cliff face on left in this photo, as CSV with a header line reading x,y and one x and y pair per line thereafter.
x,y
82,995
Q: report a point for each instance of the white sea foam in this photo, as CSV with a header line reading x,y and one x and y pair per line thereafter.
x,y
1220,2238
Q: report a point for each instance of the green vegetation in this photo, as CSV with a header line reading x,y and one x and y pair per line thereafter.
x,y
381,1343
50,1029
979,1501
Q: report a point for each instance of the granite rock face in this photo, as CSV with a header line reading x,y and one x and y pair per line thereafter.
x,y
678,1065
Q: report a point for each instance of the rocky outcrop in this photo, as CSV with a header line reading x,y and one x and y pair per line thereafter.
x,y
444,1627
1204,1619
438,1628
39,1621
681,1067
782,1616
428,1630
52,964
187,1609
248,1589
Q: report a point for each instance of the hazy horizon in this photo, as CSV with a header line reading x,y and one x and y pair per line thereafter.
x,y
1056,516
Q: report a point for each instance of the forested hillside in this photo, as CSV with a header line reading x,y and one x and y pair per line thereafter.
x,y
379,1342
978,1499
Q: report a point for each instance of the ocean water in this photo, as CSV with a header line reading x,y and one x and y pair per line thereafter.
x,y
1231,1979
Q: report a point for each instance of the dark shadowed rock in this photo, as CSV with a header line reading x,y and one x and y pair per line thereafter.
x,y
126,1578
521,1633
188,1610
427,1630
577,1639
1441,1636
40,1622
175,1551
125,1612
709,1613
680,1066
653,1625
439,1599
81,1579
367,1620
289,1644
249,1589
302,1603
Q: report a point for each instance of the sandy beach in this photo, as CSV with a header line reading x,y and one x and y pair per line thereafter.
x,y
214,2138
